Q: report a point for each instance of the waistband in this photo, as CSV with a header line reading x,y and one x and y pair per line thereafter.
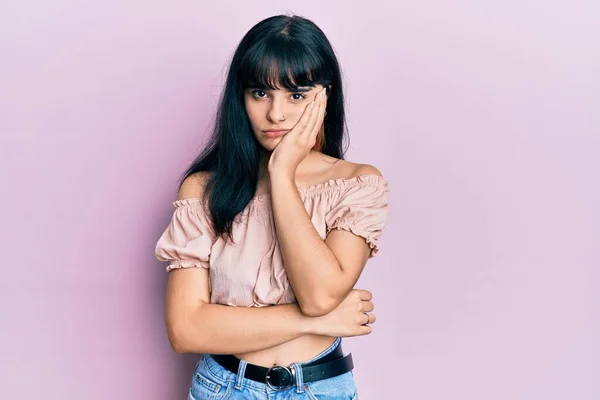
x,y
223,375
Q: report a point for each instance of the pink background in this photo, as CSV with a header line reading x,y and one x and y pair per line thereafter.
x,y
485,119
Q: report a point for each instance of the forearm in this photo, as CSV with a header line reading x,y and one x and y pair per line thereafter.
x,y
313,270
219,329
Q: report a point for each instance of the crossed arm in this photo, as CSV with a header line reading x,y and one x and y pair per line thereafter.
x,y
194,325
321,272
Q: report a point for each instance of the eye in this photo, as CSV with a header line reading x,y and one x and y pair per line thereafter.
x,y
300,96
259,94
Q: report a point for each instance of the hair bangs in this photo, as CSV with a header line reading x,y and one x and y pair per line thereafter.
x,y
279,63
280,52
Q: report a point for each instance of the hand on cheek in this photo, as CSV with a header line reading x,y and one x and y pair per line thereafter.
x,y
298,142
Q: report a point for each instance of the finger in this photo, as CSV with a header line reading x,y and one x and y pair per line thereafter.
x,y
314,118
320,117
366,318
321,114
367,306
364,330
364,295
302,123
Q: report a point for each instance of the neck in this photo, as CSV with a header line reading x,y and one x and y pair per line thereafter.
x,y
264,163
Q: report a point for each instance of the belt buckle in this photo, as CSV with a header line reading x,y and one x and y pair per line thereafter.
x,y
278,368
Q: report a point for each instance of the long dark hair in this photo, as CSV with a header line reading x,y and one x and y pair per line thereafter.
x,y
282,50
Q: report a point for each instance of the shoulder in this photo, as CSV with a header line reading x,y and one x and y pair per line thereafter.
x,y
365,169
349,170
361,184
361,201
364,182
193,186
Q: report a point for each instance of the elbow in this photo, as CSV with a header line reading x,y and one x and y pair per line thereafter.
x,y
182,332
318,307
177,338
314,311
183,338
178,347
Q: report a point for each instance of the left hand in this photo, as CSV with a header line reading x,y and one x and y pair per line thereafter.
x,y
298,142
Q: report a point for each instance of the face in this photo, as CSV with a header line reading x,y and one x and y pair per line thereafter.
x,y
273,113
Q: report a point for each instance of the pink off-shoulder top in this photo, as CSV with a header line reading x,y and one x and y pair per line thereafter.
x,y
250,273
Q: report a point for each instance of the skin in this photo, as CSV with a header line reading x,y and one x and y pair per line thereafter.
x,y
321,272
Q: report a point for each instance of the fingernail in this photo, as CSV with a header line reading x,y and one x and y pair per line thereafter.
x,y
324,92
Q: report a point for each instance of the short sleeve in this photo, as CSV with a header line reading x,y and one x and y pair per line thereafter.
x,y
362,209
188,239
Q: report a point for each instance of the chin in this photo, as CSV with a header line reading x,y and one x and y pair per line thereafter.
x,y
269,144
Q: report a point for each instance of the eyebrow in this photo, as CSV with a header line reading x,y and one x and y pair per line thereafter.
x,y
299,89
303,89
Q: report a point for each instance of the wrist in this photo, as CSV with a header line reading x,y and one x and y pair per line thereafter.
x,y
281,178
307,325
310,325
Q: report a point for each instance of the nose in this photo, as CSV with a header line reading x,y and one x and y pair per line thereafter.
x,y
276,112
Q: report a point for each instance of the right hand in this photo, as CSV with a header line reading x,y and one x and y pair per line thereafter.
x,y
351,318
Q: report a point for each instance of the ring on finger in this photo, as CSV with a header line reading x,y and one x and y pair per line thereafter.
x,y
368,317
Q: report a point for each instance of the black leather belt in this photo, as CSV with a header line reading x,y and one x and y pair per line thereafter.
x,y
279,377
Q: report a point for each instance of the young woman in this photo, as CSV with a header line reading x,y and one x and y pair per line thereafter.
x,y
272,229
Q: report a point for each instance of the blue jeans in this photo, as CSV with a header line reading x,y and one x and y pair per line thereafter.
x,y
213,382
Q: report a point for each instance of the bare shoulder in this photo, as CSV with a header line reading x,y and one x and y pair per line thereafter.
x,y
366,169
347,169
193,186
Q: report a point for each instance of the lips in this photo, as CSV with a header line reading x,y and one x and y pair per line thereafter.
x,y
275,132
